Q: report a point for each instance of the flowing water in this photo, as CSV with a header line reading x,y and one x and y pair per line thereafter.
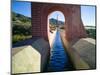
x,y
59,60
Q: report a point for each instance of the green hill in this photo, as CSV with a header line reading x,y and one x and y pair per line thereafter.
x,y
55,22
21,24
21,27
20,18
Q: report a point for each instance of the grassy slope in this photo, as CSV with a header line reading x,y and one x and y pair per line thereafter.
x,y
21,27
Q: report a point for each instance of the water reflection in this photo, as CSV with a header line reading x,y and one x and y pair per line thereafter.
x,y
59,60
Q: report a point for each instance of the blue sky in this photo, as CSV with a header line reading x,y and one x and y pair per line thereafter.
x,y
88,15
87,12
22,8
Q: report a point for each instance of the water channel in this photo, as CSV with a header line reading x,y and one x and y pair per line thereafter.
x,y
59,60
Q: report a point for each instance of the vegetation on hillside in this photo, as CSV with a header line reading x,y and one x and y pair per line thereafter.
x,y
21,27
55,22
91,33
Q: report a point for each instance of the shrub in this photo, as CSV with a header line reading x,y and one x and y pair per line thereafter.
x,y
18,38
91,33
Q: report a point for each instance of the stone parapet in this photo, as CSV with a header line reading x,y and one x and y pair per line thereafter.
x,y
81,52
30,58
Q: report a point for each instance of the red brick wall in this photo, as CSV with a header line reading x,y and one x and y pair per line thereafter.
x,y
73,23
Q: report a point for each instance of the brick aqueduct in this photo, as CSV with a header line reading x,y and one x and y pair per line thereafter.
x,y
73,23
34,53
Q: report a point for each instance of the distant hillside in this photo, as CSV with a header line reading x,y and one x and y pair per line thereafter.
x,y
90,27
21,27
55,22
21,24
20,19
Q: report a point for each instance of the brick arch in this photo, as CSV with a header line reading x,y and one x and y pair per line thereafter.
x,y
73,23
47,10
50,13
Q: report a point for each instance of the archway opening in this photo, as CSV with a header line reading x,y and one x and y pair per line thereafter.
x,y
56,20
56,23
